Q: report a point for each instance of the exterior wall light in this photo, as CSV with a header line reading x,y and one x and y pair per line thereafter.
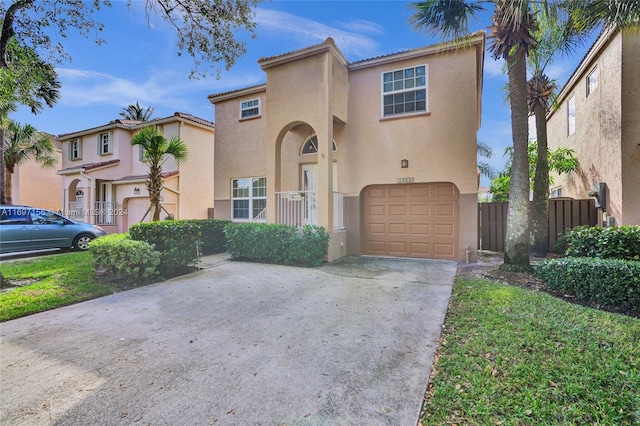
x,y
404,164
136,191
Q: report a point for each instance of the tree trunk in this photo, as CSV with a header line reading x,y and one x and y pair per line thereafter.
x,y
2,168
517,238
154,186
8,182
540,208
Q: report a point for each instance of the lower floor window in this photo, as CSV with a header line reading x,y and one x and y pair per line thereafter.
x,y
249,198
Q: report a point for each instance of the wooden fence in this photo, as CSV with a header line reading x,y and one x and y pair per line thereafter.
x,y
563,214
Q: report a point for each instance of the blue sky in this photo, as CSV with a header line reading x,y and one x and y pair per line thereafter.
x,y
139,62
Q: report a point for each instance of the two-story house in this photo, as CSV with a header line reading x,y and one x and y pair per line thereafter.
x,y
598,116
103,176
380,152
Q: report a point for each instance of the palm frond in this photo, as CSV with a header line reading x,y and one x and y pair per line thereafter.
x,y
449,18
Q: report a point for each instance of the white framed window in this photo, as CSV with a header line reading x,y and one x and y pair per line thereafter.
x,y
404,91
592,81
310,145
249,199
250,108
104,144
571,115
75,149
140,153
556,192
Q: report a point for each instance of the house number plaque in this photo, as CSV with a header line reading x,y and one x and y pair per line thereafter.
x,y
405,180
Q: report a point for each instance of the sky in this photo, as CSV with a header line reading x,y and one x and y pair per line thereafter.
x,y
140,63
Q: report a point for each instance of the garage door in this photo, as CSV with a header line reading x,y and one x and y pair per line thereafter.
x,y
136,208
412,220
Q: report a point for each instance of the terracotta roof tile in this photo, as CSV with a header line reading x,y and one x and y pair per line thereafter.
x,y
90,166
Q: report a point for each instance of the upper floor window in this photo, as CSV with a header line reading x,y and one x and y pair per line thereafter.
x,y
250,108
592,81
556,192
141,153
75,149
404,91
571,115
104,144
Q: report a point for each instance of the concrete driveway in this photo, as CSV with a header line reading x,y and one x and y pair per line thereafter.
x,y
349,343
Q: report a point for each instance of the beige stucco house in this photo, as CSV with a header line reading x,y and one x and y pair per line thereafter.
x,y
37,186
599,118
103,176
380,152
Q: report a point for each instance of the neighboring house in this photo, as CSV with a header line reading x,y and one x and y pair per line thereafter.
x,y
598,116
37,186
104,176
380,152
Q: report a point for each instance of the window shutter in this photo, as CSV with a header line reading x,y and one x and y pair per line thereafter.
x,y
99,143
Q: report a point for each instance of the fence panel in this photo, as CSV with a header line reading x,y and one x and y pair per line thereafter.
x,y
563,214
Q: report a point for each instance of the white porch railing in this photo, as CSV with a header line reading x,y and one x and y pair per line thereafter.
x,y
105,213
76,211
299,208
261,217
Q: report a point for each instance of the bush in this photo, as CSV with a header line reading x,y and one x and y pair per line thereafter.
x,y
176,240
272,243
621,242
607,281
125,259
213,238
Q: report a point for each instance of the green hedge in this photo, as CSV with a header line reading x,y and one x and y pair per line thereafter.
x,y
607,281
282,244
119,256
618,242
176,240
213,239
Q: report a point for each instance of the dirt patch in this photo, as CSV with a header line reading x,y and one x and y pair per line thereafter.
x,y
487,267
8,284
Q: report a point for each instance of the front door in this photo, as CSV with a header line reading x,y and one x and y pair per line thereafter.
x,y
309,185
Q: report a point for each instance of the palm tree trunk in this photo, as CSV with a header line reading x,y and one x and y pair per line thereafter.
x,y
8,181
154,186
3,191
517,238
540,208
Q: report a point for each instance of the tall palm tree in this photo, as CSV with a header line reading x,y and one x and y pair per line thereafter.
x,y
24,143
512,32
156,151
137,113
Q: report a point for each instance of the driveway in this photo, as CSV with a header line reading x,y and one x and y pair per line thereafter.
x,y
349,343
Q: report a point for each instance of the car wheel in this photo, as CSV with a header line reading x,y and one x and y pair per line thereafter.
x,y
81,242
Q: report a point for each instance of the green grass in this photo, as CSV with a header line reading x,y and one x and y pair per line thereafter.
x,y
58,280
511,356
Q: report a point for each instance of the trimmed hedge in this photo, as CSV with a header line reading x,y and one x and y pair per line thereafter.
x,y
607,281
128,260
213,239
176,240
273,243
619,242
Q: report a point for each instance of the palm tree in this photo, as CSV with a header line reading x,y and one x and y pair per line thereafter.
x,y
156,150
24,143
484,150
512,32
137,113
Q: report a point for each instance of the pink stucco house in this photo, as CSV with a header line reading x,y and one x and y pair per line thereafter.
x,y
598,116
380,152
103,176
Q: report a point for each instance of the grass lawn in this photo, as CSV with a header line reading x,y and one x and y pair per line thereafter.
x,y
51,281
513,356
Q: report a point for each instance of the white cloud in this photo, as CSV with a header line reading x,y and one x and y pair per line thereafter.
x,y
362,26
492,67
306,31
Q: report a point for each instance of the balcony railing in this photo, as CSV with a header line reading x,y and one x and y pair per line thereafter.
x,y
76,211
299,208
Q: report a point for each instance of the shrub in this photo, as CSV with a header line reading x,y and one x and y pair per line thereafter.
x,y
213,238
125,259
272,243
176,240
607,281
621,242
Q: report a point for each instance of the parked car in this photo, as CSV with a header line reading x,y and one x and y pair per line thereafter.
x,y
24,228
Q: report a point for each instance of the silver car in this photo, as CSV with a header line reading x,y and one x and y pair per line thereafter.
x,y
24,228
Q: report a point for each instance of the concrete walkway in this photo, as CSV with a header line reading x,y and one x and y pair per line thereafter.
x,y
349,343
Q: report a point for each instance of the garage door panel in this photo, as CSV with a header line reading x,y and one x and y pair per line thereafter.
x,y
412,220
